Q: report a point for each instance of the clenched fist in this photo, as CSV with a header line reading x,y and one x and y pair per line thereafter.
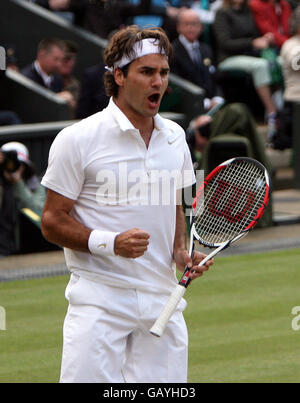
x,y
132,243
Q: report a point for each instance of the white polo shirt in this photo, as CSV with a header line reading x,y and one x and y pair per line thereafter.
x,y
118,183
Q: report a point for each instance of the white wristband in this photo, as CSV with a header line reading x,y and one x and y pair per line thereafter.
x,y
102,243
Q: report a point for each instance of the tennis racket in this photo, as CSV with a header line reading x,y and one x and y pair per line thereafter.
x,y
227,206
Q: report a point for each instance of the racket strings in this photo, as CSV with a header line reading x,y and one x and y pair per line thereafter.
x,y
230,203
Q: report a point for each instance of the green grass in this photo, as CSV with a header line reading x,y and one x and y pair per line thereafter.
x,y
238,316
30,348
239,320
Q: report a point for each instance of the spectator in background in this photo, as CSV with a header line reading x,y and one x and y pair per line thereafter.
x,y
19,188
45,69
71,86
272,17
92,97
239,46
193,60
290,59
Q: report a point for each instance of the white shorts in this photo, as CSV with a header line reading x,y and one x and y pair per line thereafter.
x,y
107,339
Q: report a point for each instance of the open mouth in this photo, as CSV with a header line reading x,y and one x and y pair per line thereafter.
x,y
154,98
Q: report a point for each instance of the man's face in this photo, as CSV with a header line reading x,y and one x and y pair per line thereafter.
x,y
68,64
189,25
51,60
140,93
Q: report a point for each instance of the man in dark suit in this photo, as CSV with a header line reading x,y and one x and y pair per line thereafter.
x,y
45,69
92,97
193,60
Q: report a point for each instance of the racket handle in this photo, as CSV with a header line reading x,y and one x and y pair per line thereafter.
x,y
161,322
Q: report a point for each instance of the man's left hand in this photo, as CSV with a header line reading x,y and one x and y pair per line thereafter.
x,y
182,259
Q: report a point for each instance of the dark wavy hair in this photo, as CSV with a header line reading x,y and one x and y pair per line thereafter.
x,y
122,43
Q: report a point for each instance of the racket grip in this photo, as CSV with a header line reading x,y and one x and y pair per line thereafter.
x,y
161,322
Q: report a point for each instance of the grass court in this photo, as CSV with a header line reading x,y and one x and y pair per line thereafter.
x,y
238,315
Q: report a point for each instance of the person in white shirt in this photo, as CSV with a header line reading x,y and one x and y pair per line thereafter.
x,y
122,234
290,58
290,64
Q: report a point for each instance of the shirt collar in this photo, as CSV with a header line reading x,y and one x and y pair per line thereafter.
x,y
46,78
125,124
187,44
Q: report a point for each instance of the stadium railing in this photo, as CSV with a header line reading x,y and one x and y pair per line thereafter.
x,y
30,101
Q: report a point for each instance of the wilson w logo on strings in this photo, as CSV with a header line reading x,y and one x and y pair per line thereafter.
x,y
223,206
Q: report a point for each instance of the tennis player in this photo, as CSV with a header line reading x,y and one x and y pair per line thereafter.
x,y
122,249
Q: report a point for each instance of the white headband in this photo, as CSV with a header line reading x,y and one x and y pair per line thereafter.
x,y
141,48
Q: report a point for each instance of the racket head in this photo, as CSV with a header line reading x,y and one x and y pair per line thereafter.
x,y
231,200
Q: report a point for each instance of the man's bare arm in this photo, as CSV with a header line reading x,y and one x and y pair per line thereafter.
x,y
59,227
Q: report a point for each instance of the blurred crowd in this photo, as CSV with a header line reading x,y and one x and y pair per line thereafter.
x,y
214,41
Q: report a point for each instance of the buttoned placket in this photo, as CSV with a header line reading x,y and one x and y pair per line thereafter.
x,y
147,150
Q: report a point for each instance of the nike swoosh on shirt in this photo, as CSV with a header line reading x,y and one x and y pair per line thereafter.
x,y
171,140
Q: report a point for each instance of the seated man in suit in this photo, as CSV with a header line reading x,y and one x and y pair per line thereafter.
x,y
193,60
45,69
